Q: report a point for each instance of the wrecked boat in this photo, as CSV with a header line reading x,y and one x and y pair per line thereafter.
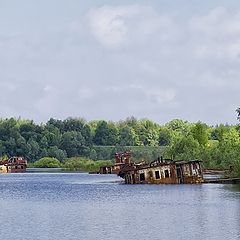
x,y
160,171
164,171
13,165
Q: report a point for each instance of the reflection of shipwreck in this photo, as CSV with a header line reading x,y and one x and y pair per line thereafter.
x,y
13,165
160,171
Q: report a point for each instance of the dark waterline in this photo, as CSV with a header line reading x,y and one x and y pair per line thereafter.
x,y
55,206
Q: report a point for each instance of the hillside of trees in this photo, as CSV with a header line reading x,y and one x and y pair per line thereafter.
x,y
217,146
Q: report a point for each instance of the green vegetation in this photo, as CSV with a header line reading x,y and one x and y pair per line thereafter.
x,y
74,141
83,164
47,162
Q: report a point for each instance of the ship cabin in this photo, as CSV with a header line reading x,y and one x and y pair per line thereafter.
x,y
121,159
164,171
13,165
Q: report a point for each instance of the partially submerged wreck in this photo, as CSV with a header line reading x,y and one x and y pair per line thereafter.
x,y
160,171
121,160
13,165
164,171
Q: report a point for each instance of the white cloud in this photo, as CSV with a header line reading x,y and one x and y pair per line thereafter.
x,y
114,26
108,24
130,57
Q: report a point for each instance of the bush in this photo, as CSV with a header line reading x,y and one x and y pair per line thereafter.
x,y
84,164
47,162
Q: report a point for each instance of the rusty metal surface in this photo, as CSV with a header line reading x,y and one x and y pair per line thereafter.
x,y
164,172
14,164
160,171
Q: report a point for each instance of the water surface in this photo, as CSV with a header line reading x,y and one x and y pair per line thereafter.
x,y
55,206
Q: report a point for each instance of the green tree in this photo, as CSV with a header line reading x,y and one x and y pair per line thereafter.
x,y
33,149
200,133
21,146
165,136
185,148
180,126
228,150
148,132
218,132
73,143
55,152
127,136
73,124
106,134
87,134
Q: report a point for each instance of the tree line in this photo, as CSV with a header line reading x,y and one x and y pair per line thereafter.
x,y
218,146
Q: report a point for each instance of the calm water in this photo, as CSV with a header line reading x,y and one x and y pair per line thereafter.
x,y
58,206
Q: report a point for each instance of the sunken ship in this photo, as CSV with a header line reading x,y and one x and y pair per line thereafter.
x,y
160,171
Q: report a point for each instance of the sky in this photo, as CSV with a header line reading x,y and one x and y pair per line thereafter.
x,y
113,59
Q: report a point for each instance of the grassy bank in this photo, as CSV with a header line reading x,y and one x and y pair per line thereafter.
x,y
84,164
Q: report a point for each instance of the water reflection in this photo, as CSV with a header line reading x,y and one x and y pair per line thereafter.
x,y
234,187
80,206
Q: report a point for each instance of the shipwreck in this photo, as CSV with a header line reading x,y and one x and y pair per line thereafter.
x,y
160,171
13,165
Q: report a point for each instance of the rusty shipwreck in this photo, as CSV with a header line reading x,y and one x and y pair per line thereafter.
x,y
160,171
13,165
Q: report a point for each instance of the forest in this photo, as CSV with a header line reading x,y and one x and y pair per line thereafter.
x,y
217,146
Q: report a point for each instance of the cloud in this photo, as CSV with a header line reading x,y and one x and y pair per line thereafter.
x,y
115,61
217,34
108,24
114,26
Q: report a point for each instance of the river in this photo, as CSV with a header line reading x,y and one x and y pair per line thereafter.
x,y
69,206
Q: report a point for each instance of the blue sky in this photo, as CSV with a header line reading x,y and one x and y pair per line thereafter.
x,y
113,59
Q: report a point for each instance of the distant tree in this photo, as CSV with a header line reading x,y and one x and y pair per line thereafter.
x,y
10,145
56,123
30,130
228,149
165,136
93,154
87,134
185,148
148,132
8,128
21,146
200,133
55,152
33,150
131,122
73,124
52,134
43,142
127,136
106,134
2,148
73,143
180,126
218,132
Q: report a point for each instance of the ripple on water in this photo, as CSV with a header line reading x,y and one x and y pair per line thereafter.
x,y
82,206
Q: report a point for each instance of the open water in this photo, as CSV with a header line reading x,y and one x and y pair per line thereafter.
x,y
59,206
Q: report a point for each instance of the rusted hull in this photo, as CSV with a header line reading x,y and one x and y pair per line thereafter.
x,y
160,171
19,170
169,173
189,180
